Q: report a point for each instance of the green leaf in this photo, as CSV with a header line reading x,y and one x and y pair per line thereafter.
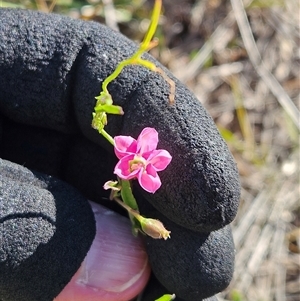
x,y
166,298
110,109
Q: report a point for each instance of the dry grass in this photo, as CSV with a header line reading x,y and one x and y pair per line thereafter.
x,y
246,73
242,61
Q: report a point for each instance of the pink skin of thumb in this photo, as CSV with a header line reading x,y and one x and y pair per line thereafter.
x,y
116,267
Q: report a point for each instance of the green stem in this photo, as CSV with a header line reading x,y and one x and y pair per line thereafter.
x,y
125,206
127,195
145,45
115,74
152,28
108,137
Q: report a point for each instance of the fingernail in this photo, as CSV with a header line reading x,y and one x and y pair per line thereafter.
x,y
116,259
116,266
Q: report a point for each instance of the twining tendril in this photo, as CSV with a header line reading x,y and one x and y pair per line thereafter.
x,y
104,104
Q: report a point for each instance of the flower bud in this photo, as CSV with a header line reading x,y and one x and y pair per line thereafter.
x,y
154,228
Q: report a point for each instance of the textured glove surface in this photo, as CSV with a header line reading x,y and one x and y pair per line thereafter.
x,y
51,68
46,229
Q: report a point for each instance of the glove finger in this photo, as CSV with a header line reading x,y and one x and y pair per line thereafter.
x,y
65,66
190,264
47,56
74,159
200,188
38,252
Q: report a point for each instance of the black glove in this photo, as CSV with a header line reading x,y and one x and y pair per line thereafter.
x,y
51,68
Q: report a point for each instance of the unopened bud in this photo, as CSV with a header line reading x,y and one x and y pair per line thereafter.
x,y
154,228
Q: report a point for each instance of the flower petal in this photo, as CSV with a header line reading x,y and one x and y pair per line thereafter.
x,y
159,159
149,179
124,145
147,140
122,169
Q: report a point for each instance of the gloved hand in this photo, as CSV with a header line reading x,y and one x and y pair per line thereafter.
x,y
51,68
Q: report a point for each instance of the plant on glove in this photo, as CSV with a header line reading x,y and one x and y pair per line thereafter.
x,y
138,158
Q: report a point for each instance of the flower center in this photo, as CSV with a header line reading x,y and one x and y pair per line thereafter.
x,y
137,163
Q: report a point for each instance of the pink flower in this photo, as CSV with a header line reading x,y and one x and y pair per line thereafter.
x,y
140,159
